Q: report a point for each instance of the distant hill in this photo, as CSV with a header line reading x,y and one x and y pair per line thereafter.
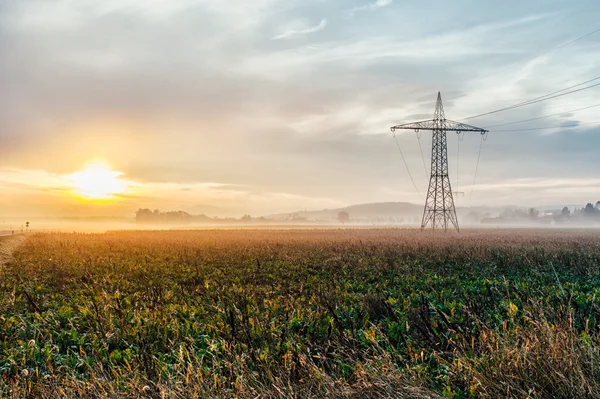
x,y
384,209
384,212
360,212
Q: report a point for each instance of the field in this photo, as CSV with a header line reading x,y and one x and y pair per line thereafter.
x,y
302,313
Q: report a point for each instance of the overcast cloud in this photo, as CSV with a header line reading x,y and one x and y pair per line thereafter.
x,y
276,105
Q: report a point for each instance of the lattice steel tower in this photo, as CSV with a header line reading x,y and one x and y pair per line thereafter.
x,y
439,205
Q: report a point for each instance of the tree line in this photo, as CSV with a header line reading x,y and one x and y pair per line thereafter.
x,y
148,216
156,216
588,214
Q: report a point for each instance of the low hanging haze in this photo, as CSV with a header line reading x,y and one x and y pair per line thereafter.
x,y
265,106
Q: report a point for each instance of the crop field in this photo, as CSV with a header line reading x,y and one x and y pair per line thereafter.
x,y
363,313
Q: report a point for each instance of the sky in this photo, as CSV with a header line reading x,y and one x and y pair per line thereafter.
x,y
266,106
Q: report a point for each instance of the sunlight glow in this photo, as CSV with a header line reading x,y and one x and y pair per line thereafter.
x,y
97,182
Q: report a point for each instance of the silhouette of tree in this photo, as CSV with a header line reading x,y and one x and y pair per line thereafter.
x,y
533,213
590,210
343,217
565,213
156,216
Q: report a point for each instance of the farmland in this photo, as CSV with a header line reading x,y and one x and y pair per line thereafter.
x,y
302,313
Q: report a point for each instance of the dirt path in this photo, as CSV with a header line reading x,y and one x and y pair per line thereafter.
x,y
7,247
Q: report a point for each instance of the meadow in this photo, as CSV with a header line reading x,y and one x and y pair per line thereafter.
x,y
349,313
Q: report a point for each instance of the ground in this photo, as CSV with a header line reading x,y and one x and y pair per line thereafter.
x,y
8,245
302,313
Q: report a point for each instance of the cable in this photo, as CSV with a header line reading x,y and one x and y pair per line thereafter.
x,y
543,117
407,169
457,159
559,91
422,157
533,58
548,127
534,101
539,99
541,54
476,167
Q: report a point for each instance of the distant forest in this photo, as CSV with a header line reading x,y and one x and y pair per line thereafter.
x,y
589,214
180,217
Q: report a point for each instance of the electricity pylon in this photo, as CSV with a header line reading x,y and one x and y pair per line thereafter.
x,y
439,206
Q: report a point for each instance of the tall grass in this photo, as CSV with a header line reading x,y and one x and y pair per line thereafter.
x,y
298,314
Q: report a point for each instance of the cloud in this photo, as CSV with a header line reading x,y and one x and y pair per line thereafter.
x,y
294,32
372,6
201,91
38,192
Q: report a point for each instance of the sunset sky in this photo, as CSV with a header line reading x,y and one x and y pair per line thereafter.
x,y
265,106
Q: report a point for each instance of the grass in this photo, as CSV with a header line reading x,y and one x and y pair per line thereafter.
x,y
301,313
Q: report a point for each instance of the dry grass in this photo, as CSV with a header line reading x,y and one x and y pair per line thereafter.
x,y
299,314
8,245
537,360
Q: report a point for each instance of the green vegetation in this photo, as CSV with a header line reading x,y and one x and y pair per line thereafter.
x,y
302,313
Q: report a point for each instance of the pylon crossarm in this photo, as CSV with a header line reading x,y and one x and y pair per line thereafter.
x,y
439,124
422,125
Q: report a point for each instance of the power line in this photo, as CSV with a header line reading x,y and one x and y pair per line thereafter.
x,y
534,101
457,159
519,63
558,91
422,157
543,117
542,53
549,96
477,166
538,99
549,127
407,169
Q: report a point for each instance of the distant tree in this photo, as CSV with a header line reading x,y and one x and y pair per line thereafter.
x,y
563,216
533,213
143,215
156,216
598,205
589,210
246,218
343,217
515,214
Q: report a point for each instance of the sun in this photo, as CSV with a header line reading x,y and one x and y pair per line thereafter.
x,y
97,182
